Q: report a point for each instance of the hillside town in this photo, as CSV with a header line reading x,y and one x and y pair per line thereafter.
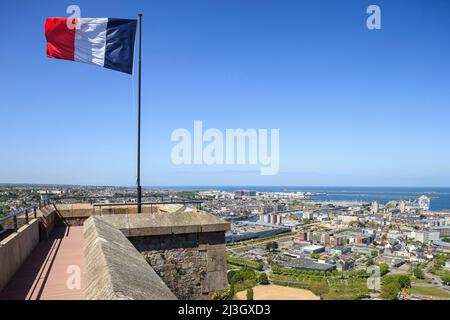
x,y
319,241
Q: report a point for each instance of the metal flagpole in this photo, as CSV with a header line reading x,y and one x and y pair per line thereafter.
x,y
138,180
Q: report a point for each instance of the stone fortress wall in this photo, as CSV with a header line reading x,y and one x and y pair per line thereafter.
x,y
184,247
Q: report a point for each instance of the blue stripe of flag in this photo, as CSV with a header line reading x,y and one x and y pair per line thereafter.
x,y
119,50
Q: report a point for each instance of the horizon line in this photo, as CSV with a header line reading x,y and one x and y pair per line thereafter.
x,y
215,186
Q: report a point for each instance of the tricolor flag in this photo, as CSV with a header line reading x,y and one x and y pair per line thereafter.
x,y
104,42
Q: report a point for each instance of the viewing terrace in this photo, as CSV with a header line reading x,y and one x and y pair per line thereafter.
x,y
108,251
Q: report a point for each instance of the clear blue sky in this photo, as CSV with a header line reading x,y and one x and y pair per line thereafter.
x,y
354,106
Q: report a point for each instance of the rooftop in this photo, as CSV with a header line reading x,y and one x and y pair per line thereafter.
x,y
77,251
307,264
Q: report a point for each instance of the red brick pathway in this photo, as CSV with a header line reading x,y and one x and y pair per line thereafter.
x,y
45,273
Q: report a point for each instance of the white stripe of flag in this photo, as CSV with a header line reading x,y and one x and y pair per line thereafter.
x,y
90,41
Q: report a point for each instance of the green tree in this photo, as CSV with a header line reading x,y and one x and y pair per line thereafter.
x,y
418,273
390,291
404,281
222,295
374,253
263,279
315,255
272,246
230,275
241,275
231,293
439,261
393,284
245,262
250,294
384,268
446,277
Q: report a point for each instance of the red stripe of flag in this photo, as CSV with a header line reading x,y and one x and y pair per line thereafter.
x,y
60,39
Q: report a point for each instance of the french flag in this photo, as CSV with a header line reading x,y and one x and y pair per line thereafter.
x,y
104,42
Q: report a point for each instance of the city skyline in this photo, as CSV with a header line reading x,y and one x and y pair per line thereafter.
x,y
355,107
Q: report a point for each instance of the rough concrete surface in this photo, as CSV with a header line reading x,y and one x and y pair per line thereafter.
x,y
114,269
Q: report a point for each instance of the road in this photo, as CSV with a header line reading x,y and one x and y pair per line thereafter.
x,y
243,247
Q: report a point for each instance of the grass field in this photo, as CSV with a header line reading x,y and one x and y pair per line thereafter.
x,y
426,280
430,291
273,292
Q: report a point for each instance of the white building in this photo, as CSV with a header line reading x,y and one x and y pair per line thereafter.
x,y
308,215
402,206
273,218
426,236
424,203
347,219
374,207
313,249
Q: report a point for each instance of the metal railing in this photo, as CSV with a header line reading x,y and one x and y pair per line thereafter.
x,y
11,223
43,203
198,203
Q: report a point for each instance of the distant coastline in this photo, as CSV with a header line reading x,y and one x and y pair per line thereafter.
x,y
440,196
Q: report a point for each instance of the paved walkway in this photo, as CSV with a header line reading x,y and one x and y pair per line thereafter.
x,y
52,270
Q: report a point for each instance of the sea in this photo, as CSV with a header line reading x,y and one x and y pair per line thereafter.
x,y
440,197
